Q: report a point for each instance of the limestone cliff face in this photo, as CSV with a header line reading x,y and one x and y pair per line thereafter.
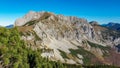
x,y
106,35
69,27
28,17
68,39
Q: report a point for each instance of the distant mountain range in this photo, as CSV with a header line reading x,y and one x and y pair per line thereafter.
x,y
112,25
10,26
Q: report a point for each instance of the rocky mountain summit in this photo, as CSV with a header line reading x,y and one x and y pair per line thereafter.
x,y
69,39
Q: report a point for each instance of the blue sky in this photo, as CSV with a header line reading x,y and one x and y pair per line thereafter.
x,y
103,11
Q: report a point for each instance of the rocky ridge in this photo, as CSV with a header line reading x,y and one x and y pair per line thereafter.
x,y
69,39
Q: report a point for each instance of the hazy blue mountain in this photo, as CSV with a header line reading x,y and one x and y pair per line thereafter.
x,y
9,26
111,25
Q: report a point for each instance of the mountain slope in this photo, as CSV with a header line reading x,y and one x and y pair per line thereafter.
x,y
15,54
71,40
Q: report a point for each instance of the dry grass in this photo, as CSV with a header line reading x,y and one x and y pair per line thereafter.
x,y
99,28
25,28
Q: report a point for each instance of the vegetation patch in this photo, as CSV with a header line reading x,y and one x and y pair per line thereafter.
x,y
86,54
63,54
97,45
31,23
105,49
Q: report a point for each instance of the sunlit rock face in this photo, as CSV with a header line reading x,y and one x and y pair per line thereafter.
x,y
66,38
28,17
68,25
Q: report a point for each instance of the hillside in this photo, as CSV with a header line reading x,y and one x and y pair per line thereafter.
x,y
46,40
15,54
71,40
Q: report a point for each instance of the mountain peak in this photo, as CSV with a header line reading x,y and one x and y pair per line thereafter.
x,y
32,15
31,12
113,26
74,37
94,23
